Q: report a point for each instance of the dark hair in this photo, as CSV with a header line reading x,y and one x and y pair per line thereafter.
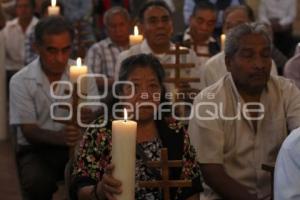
x,y
31,2
152,4
249,12
143,61
52,25
47,3
204,5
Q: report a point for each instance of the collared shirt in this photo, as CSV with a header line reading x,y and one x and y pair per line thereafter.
x,y
14,39
291,69
284,10
203,53
223,134
31,98
164,58
144,48
208,49
215,68
287,176
102,57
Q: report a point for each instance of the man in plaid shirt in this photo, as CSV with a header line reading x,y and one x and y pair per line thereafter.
x,y
102,56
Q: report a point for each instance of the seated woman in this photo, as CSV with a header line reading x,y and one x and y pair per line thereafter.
x,y
91,178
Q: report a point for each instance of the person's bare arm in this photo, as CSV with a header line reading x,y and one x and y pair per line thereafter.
x,y
228,188
35,135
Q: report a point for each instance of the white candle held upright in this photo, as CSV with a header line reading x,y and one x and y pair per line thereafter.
x,y
123,155
136,38
223,38
76,71
53,9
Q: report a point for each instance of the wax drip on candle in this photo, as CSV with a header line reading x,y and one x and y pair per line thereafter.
x,y
53,3
125,115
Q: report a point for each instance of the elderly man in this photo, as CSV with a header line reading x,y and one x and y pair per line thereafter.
x,y
215,67
102,56
240,122
42,142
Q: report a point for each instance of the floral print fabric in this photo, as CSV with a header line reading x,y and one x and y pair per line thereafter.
x,y
93,155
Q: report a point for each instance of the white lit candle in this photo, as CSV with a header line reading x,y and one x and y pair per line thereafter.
x,y
136,38
123,155
53,9
76,71
223,38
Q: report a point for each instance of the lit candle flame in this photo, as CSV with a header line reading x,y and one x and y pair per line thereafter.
x,y
125,115
78,62
53,3
223,37
136,30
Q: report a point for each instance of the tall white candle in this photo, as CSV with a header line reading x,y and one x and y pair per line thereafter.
x,y
136,38
53,9
76,71
223,38
123,155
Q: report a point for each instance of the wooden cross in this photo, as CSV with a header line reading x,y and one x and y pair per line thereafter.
x,y
178,66
165,183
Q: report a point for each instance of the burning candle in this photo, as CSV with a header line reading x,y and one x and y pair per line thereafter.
x,y
53,9
136,38
76,71
223,38
123,155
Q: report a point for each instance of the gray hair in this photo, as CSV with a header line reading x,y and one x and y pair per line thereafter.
x,y
115,10
235,34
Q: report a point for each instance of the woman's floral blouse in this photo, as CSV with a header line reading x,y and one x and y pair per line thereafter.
x,y
94,154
